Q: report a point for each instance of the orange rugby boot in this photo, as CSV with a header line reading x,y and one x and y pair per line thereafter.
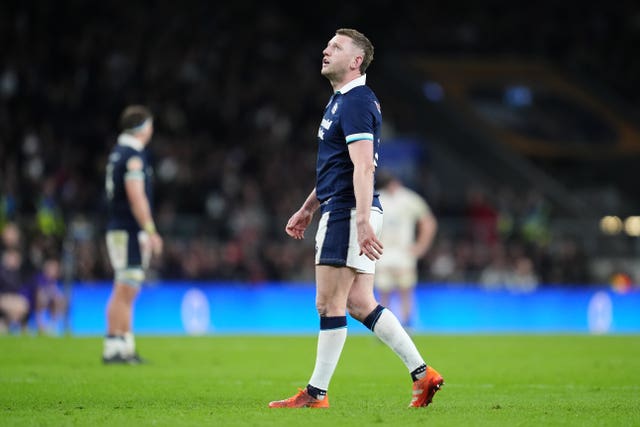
x,y
425,388
301,400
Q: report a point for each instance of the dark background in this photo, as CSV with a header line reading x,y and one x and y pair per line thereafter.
x,y
237,95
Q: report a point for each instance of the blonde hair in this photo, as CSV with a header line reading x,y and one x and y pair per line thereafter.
x,y
361,41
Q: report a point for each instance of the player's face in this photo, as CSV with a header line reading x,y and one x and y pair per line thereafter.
x,y
147,132
339,57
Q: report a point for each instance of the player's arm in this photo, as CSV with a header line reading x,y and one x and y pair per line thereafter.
x,y
361,154
139,203
299,221
426,232
311,203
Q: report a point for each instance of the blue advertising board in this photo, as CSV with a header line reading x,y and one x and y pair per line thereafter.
x,y
197,308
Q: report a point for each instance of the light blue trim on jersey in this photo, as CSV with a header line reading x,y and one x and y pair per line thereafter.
x,y
358,136
134,175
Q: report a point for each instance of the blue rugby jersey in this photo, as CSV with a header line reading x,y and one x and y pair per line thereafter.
x,y
352,114
119,209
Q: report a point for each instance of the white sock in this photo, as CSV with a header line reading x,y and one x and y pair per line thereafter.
x,y
113,346
330,344
391,332
129,344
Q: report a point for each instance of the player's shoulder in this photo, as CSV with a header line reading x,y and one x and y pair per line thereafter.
x,y
128,158
363,97
362,92
408,191
413,195
127,151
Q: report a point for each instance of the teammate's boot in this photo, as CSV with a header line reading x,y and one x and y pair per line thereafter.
x,y
135,359
301,400
425,388
119,359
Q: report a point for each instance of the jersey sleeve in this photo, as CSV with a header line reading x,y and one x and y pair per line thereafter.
x,y
134,168
358,119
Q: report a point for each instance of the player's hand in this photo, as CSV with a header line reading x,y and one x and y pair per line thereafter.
x,y
156,244
298,223
369,244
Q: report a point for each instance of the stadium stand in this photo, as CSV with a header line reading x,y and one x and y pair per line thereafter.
x,y
237,104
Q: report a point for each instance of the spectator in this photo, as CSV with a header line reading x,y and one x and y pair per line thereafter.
x,y
482,216
11,236
496,274
14,302
50,301
523,278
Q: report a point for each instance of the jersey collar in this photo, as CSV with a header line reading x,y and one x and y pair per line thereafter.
x,y
130,141
358,81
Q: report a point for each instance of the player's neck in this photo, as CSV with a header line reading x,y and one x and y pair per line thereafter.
x,y
338,84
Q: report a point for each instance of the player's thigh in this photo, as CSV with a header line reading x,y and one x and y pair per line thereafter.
x,y
125,292
127,256
332,288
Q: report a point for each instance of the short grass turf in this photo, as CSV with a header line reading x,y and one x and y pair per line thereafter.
x,y
497,380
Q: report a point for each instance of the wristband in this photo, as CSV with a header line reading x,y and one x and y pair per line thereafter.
x,y
150,227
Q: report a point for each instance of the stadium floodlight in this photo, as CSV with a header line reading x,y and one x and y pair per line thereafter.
x,y
632,226
611,224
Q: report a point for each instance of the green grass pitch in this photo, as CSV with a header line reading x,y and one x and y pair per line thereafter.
x,y
495,380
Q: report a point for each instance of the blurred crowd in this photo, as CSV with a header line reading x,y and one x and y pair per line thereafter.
x,y
31,293
237,96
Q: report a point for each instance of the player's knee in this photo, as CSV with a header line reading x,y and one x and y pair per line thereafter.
x,y
330,308
131,277
322,308
354,312
357,309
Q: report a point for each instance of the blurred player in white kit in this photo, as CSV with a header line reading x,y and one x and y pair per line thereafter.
x,y
408,230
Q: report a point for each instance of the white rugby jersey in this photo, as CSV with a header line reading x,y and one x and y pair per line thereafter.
x,y
402,211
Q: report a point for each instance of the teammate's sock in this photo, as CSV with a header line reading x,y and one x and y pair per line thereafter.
x,y
129,343
113,345
331,338
387,327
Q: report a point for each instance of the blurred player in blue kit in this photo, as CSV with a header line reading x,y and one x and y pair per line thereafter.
x,y
347,243
131,235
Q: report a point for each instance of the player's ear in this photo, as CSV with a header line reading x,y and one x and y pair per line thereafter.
x,y
357,61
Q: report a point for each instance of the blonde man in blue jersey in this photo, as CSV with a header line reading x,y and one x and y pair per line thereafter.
x,y
131,232
347,242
